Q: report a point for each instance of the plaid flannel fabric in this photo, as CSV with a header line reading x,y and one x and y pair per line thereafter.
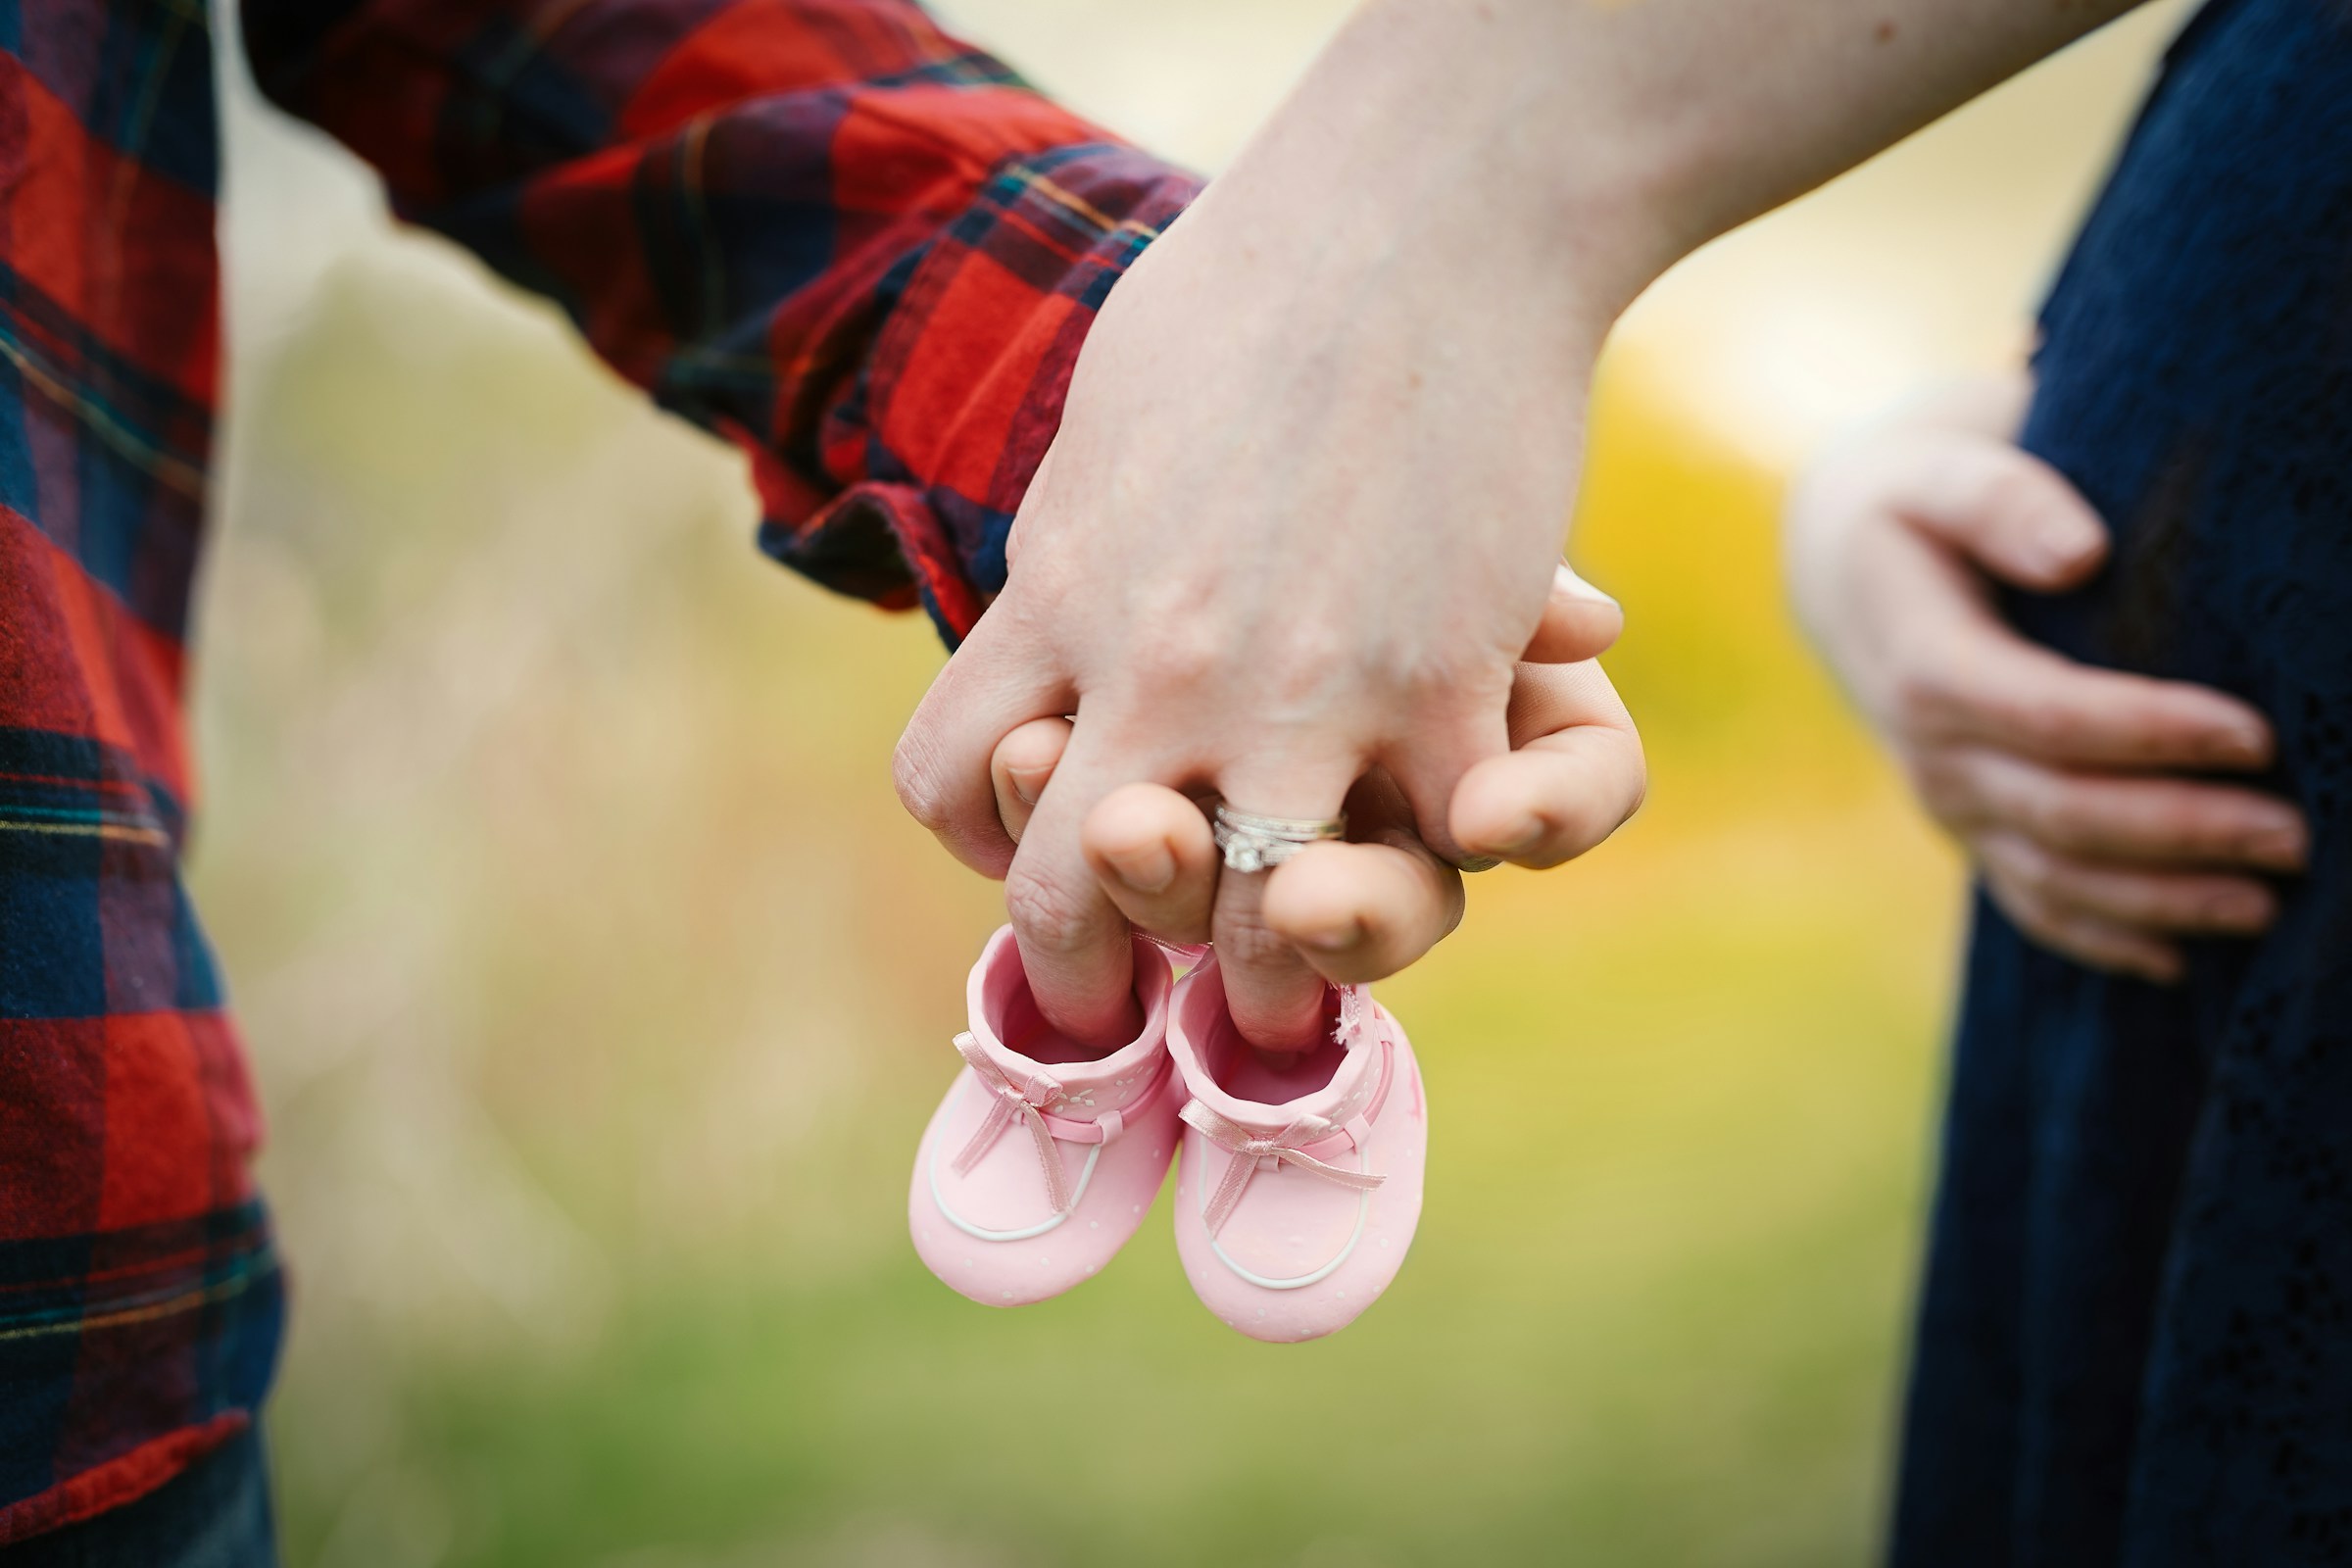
x,y
820,228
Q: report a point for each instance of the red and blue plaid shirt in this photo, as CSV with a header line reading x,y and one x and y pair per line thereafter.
x,y
847,242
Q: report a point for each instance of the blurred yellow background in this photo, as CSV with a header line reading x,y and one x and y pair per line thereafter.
x,y
599,991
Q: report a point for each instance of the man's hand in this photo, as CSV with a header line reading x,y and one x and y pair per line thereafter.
x,y
1296,531
1360,911
2074,788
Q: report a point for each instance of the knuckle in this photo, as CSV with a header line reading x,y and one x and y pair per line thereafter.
x,y
1179,655
2132,727
2172,902
1920,694
1045,571
2179,824
1953,788
1941,784
2040,725
1304,670
1317,643
2057,818
1048,913
2139,735
2118,897
1250,943
2038,870
2028,867
921,788
1453,676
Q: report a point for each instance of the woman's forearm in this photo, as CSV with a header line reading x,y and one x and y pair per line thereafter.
x,y
1609,138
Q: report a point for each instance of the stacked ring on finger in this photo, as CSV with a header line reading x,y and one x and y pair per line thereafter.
x,y
1251,842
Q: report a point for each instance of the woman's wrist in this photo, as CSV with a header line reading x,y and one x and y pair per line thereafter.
x,y
1428,140
1570,151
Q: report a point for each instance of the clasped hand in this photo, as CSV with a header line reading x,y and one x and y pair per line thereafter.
x,y
1297,548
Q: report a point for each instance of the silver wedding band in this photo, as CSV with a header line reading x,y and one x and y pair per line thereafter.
x,y
1254,843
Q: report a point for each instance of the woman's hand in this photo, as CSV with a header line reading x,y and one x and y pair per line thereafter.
x,y
1300,524
2075,789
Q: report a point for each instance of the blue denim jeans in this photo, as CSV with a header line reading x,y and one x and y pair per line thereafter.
x,y
213,1515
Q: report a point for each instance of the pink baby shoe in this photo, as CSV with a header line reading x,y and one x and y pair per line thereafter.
x,y
1299,1183
1040,1163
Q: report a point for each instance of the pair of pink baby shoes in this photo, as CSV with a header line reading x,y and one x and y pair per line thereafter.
x,y
1298,1178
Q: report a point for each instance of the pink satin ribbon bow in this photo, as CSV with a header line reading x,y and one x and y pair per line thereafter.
x,y
1015,1101
1249,1150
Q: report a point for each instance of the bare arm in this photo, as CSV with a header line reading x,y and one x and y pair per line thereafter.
x,y
1620,135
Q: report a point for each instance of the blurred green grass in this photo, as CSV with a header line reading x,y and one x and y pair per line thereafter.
x,y
1649,1320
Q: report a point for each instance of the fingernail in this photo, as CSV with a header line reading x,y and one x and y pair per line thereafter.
x,y
1520,840
1150,869
1029,784
2064,542
2284,847
1339,941
1566,582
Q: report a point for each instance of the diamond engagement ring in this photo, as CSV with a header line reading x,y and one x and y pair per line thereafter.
x,y
1254,843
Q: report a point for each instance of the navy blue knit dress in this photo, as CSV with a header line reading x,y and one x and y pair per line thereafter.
x,y
2135,1343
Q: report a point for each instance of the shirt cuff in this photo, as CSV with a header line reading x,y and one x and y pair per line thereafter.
x,y
957,404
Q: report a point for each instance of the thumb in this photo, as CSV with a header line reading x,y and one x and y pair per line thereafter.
x,y
1579,621
2005,509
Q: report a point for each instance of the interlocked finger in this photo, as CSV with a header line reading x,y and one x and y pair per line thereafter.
x,y
1275,995
1151,850
1022,765
1074,940
1360,911
1574,778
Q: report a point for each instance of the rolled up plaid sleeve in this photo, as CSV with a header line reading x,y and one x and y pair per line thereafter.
x,y
860,249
